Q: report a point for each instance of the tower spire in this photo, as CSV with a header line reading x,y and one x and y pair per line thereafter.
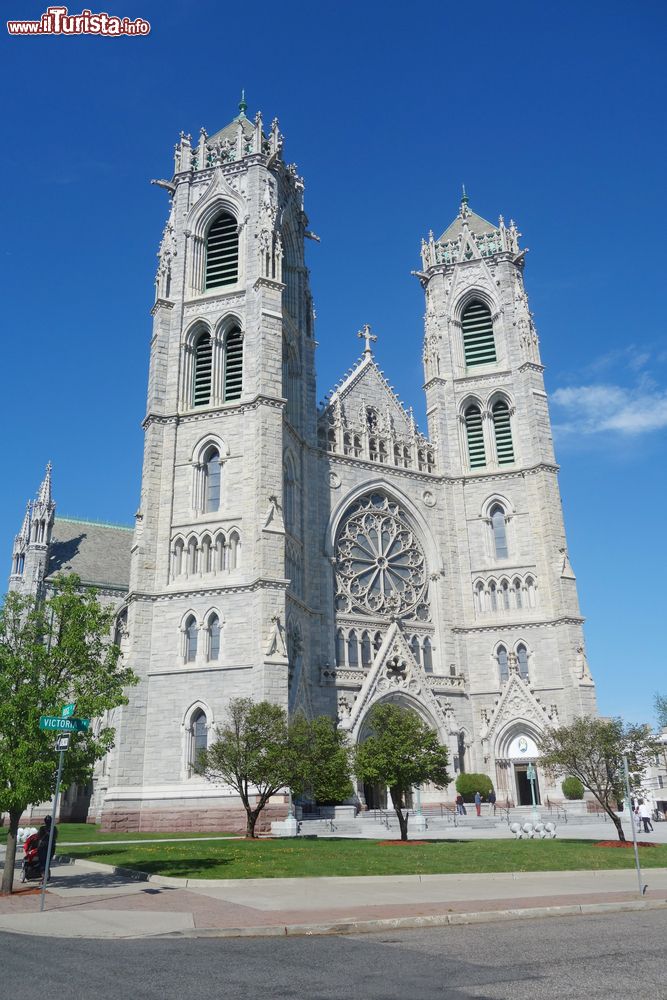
x,y
243,106
44,492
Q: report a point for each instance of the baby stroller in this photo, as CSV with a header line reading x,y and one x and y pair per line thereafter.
x,y
31,869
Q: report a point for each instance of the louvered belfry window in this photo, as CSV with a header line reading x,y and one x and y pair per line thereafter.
x,y
475,434
479,346
233,365
503,431
222,252
203,369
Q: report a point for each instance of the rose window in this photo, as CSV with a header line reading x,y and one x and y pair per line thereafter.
x,y
380,565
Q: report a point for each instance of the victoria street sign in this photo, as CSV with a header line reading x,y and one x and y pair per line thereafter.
x,y
54,722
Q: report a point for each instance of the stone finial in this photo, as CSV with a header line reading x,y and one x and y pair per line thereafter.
x,y
243,106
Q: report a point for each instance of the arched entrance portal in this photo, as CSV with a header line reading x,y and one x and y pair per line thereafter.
x,y
516,751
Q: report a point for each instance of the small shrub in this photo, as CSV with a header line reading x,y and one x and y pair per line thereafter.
x,y
468,784
572,788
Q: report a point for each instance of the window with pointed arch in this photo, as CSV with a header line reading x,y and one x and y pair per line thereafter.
x,y
503,664
222,251
499,530
416,649
233,364
502,429
479,346
177,566
191,636
366,650
203,370
475,436
212,478
522,659
213,638
290,487
340,648
198,736
352,649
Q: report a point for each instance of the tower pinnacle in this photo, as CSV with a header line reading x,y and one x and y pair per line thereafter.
x,y
243,106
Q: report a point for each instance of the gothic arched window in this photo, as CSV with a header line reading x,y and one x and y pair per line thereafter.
x,y
201,395
191,633
352,649
475,437
479,346
366,653
233,384
222,252
522,657
427,651
503,432
290,488
212,480
340,648
214,637
503,664
199,736
499,529
518,596
415,648
234,551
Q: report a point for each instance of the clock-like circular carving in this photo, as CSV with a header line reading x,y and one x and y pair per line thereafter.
x,y
380,565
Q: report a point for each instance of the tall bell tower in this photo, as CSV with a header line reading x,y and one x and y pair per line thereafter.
x,y
514,609
218,565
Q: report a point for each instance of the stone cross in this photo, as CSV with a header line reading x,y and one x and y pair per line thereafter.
x,y
365,334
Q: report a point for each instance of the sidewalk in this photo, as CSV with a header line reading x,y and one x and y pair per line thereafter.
x,y
91,900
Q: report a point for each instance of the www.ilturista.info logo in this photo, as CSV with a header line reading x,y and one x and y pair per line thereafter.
x,y
58,21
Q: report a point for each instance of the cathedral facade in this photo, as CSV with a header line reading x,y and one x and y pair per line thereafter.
x,y
325,558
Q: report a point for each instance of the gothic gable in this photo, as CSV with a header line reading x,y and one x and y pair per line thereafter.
x,y
365,387
395,675
516,703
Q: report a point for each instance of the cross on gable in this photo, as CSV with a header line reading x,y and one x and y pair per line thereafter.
x,y
365,334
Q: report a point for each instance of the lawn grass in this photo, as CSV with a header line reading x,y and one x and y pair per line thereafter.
x,y
331,857
77,833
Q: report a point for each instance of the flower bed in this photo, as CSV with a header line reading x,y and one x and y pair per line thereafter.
x,y
623,843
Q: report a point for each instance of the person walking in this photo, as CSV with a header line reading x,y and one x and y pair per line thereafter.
x,y
645,813
460,808
636,818
478,803
491,799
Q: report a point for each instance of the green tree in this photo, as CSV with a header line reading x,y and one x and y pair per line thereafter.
x,y
258,754
468,783
252,754
661,710
322,755
401,751
592,750
53,652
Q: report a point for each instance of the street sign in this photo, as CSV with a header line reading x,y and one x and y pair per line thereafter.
x,y
531,774
68,711
63,725
62,743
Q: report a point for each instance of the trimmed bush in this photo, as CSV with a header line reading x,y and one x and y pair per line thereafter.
x,y
572,788
468,784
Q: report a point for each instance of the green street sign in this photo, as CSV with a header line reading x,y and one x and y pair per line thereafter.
x,y
58,724
68,711
531,773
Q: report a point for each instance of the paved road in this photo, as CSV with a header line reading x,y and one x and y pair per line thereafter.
x,y
568,958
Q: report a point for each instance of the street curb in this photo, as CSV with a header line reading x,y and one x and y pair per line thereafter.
x,y
414,923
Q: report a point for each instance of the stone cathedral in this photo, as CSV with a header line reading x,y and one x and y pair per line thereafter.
x,y
326,558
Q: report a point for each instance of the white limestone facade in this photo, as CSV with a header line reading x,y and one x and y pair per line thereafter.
x,y
327,558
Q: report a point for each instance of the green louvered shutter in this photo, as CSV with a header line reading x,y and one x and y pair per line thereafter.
x,y
479,346
222,252
476,452
203,368
503,431
233,365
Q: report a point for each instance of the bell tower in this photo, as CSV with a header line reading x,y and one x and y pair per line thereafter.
x,y
516,610
218,563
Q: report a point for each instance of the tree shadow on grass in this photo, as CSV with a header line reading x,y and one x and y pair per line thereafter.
x,y
175,868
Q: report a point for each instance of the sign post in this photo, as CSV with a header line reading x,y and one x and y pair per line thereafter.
x,y
632,822
531,774
64,724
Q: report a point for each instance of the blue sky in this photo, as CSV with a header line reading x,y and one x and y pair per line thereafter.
x,y
552,114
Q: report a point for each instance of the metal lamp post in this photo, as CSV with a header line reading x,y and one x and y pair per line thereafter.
x,y
531,774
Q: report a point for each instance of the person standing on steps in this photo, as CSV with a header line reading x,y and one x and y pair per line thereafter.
x,y
460,808
491,799
478,803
